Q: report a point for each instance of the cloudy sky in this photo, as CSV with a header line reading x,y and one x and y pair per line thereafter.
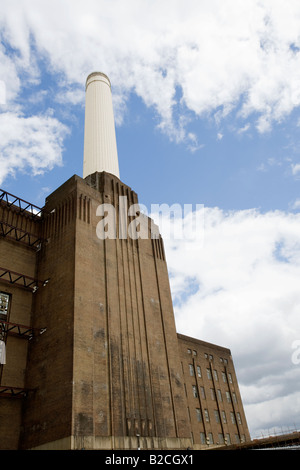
x,y
206,101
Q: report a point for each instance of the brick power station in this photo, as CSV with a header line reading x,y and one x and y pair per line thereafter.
x,y
90,355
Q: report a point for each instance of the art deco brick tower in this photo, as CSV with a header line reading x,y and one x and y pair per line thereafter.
x,y
109,370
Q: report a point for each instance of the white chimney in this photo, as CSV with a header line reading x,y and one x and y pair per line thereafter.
x,y
100,145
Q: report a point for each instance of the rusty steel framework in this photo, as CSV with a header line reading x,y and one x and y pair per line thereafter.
x,y
12,232
15,233
21,204
13,392
28,282
22,331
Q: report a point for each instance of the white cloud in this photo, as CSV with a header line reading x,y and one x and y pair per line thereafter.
x,y
296,204
68,96
245,128
295,168
241,290
2,92
184,59
224,55
34,142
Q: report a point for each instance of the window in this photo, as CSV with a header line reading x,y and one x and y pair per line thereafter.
x,y
194,352
228,397
2,352
221,438
195,392
230,377
227,439
210,438
198,415
191,368
202,438
234,397
216,375
217,416
189,351
239,418
224,419
202,391
199,371
212,394
4,303
224,377
237,438
206,414
208,374
219,395
232,417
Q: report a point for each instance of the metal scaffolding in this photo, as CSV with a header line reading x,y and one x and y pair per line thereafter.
x,y
9,231
20,235
21,204
21,280
13,392
22,331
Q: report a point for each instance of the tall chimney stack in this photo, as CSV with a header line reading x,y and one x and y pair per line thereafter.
x,y
100,145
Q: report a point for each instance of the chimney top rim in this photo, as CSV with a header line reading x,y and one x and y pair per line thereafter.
x,y
94,74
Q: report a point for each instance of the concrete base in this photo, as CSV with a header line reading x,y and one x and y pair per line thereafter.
x,y
116,443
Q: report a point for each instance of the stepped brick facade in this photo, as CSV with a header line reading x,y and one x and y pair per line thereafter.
x,y
93,358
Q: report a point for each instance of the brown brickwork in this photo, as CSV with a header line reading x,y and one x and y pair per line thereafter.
x,y
17,257
110,372
216,412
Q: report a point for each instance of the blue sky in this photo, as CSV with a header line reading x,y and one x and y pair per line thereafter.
x,y
230,169
206,100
